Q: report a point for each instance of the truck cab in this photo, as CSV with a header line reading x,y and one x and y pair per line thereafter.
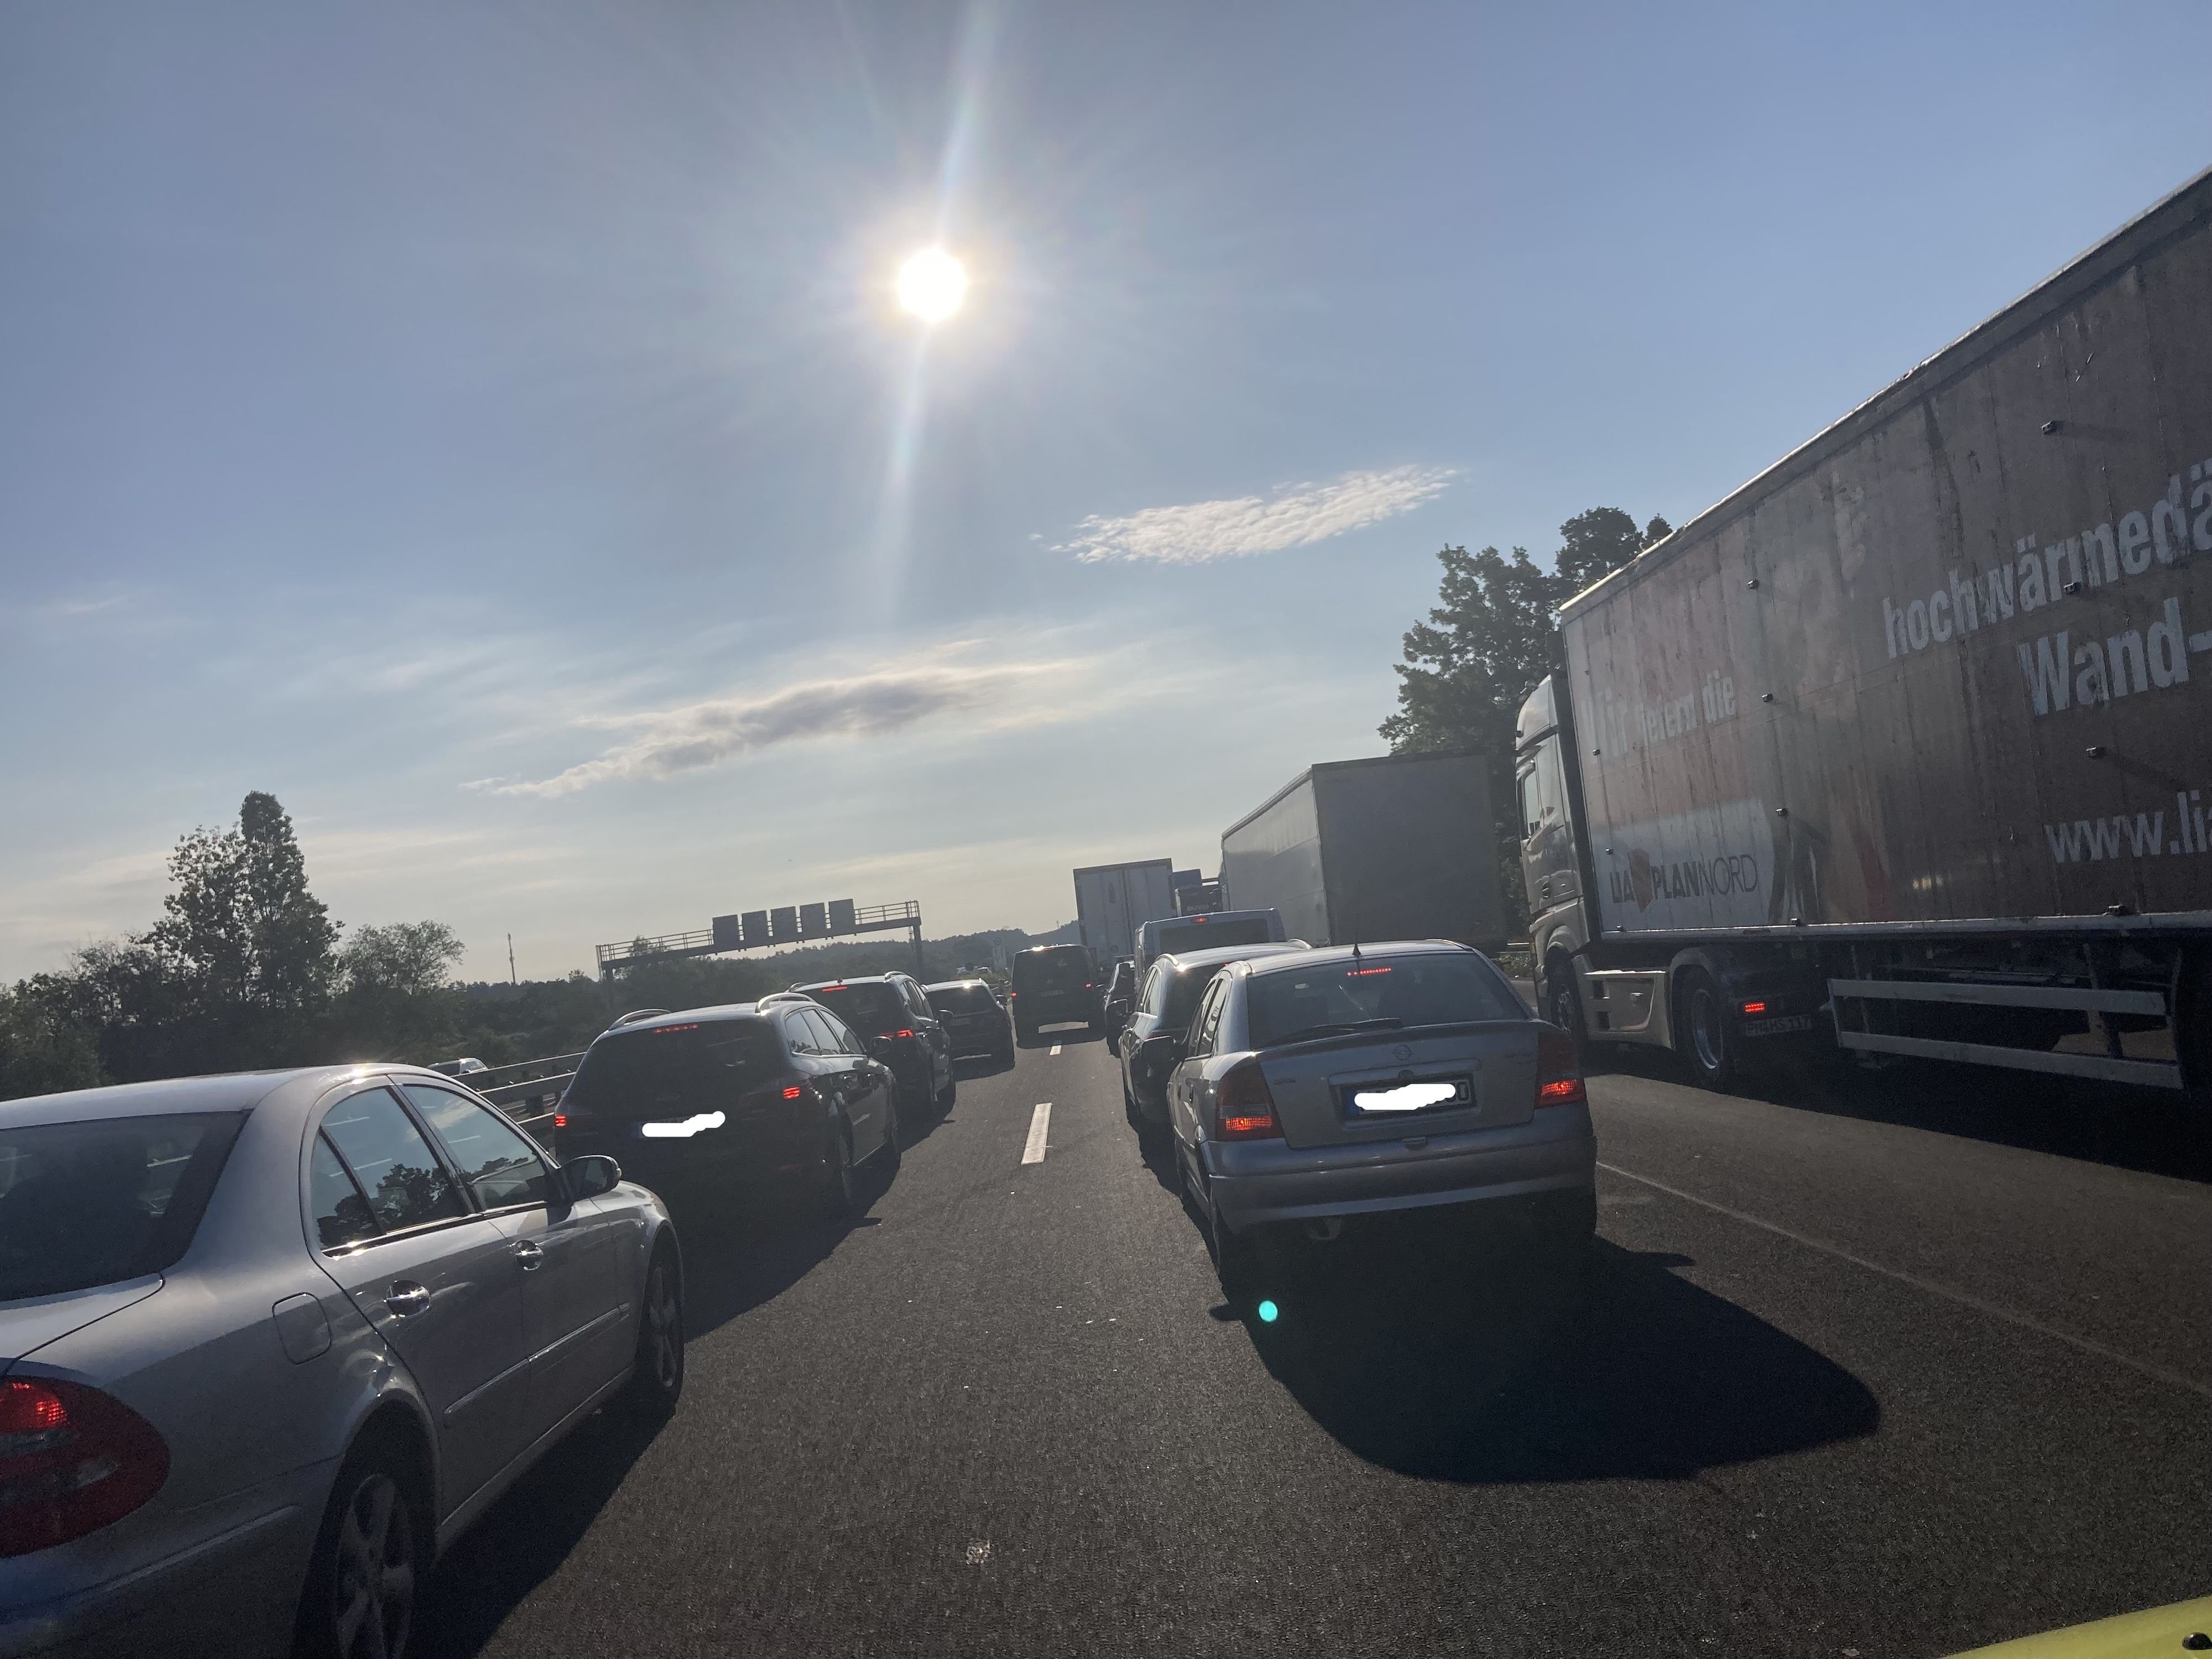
x,y
1551,865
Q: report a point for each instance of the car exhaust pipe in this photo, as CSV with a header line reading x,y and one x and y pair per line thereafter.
x,y
1325,1229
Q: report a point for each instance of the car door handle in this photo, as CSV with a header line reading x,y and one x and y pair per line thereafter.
x,y
529,1255
407,1297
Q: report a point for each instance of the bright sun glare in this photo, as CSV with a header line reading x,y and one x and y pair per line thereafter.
x,y
932,284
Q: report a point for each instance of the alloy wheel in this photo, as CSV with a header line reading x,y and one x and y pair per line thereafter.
x,y
663,1322
374,1610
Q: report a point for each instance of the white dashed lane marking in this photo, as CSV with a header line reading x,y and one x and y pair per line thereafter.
x,y
1056,1048
1040,1121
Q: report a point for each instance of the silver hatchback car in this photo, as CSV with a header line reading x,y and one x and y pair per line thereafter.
x,y
269,1342
1328,1084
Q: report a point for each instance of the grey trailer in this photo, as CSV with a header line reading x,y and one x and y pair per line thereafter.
x,y
1907,742
1400,847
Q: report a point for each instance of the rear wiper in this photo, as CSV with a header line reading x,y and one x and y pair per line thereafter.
x,y
1338,1027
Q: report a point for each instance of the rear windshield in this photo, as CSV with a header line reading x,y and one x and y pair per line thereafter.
x,y
1063,967
86,1203
963,999
870,1009
1206,935
1322,1001
640,1072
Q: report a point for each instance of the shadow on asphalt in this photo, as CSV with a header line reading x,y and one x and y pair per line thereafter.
x,y
2129,1128
968,1065
1455,1360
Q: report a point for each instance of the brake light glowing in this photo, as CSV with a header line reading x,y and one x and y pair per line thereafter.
x,y
1558,1069
885,1037
793,1092
72,1460
664,1030
1754,1008
1244,1106
1362,973
560,1119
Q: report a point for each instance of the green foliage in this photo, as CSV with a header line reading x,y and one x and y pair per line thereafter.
x,y
1485,645
242,930
44,1047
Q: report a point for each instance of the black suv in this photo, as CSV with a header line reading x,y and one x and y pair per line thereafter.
x,y
1054,985
714,1102
901,1030
975,1020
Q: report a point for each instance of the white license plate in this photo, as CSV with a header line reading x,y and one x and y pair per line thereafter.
x,y
1404,1099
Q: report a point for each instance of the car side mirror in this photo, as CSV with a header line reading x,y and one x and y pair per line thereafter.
x,y
589,1176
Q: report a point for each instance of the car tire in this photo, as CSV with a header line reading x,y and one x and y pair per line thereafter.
x,y
1701,1027
839,1194
371,1560
656,1381
1129,1106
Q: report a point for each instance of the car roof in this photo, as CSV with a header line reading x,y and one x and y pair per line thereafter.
x,y
687,1016
857,979
1396,947
956,985
1035,949
1215,955
227,1091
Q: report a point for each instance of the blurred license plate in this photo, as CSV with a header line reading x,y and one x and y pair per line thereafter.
x,y
1407,1099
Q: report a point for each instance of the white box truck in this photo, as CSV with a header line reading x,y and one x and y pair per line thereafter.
x,y
1112,901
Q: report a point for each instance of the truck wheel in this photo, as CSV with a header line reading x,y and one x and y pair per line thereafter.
x,y
1562,1003
1701,1029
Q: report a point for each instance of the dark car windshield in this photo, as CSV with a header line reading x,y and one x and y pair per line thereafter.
x,y
1324,998
1206,935
643,1071
88,1204
964,1000
1063,968
870,1009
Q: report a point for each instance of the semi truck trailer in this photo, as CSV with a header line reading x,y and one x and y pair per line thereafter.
x,y
1349,852
1906,745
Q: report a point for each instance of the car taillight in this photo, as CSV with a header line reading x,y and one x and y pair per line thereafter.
x,y
795,1091
1559,1070
886,1037
72,1460
560,1119
1754,1008
1244,1107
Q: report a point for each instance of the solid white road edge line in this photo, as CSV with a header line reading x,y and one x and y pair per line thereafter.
x,y
1040,1121
2025,1322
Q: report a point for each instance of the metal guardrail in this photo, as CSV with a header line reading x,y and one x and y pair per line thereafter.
x,y
530,1101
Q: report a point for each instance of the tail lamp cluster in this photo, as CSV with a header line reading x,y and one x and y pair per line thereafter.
x,y
1559,1070
72,1460
1244,1106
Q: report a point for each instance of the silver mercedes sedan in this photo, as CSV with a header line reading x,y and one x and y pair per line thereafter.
x,y
1325,1085
269,1342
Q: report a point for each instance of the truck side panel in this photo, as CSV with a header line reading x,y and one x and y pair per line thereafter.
x,y
1273,860
1112,901
1953,660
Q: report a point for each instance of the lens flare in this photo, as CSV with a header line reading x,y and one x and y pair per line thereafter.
x,y
1269,1312
932,284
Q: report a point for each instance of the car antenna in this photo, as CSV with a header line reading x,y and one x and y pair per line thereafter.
x,y
1355,949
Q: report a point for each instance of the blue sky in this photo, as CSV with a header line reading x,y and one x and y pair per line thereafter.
x,y
488,427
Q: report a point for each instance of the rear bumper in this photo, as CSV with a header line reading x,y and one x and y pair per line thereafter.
x,y
1256,1183
234,1593
1061,1008
985,1039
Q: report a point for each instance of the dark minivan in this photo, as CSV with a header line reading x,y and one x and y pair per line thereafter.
x,y
734,1102
975,1020
1054,985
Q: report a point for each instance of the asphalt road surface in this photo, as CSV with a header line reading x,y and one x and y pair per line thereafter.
x,y
1880,1366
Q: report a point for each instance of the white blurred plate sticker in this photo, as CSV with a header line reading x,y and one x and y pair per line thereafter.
x,y
1409,1097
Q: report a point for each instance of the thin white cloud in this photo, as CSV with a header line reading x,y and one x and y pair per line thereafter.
x,y
1296,515
700,735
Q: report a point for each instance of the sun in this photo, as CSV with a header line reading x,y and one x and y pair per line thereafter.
x,y
932,284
